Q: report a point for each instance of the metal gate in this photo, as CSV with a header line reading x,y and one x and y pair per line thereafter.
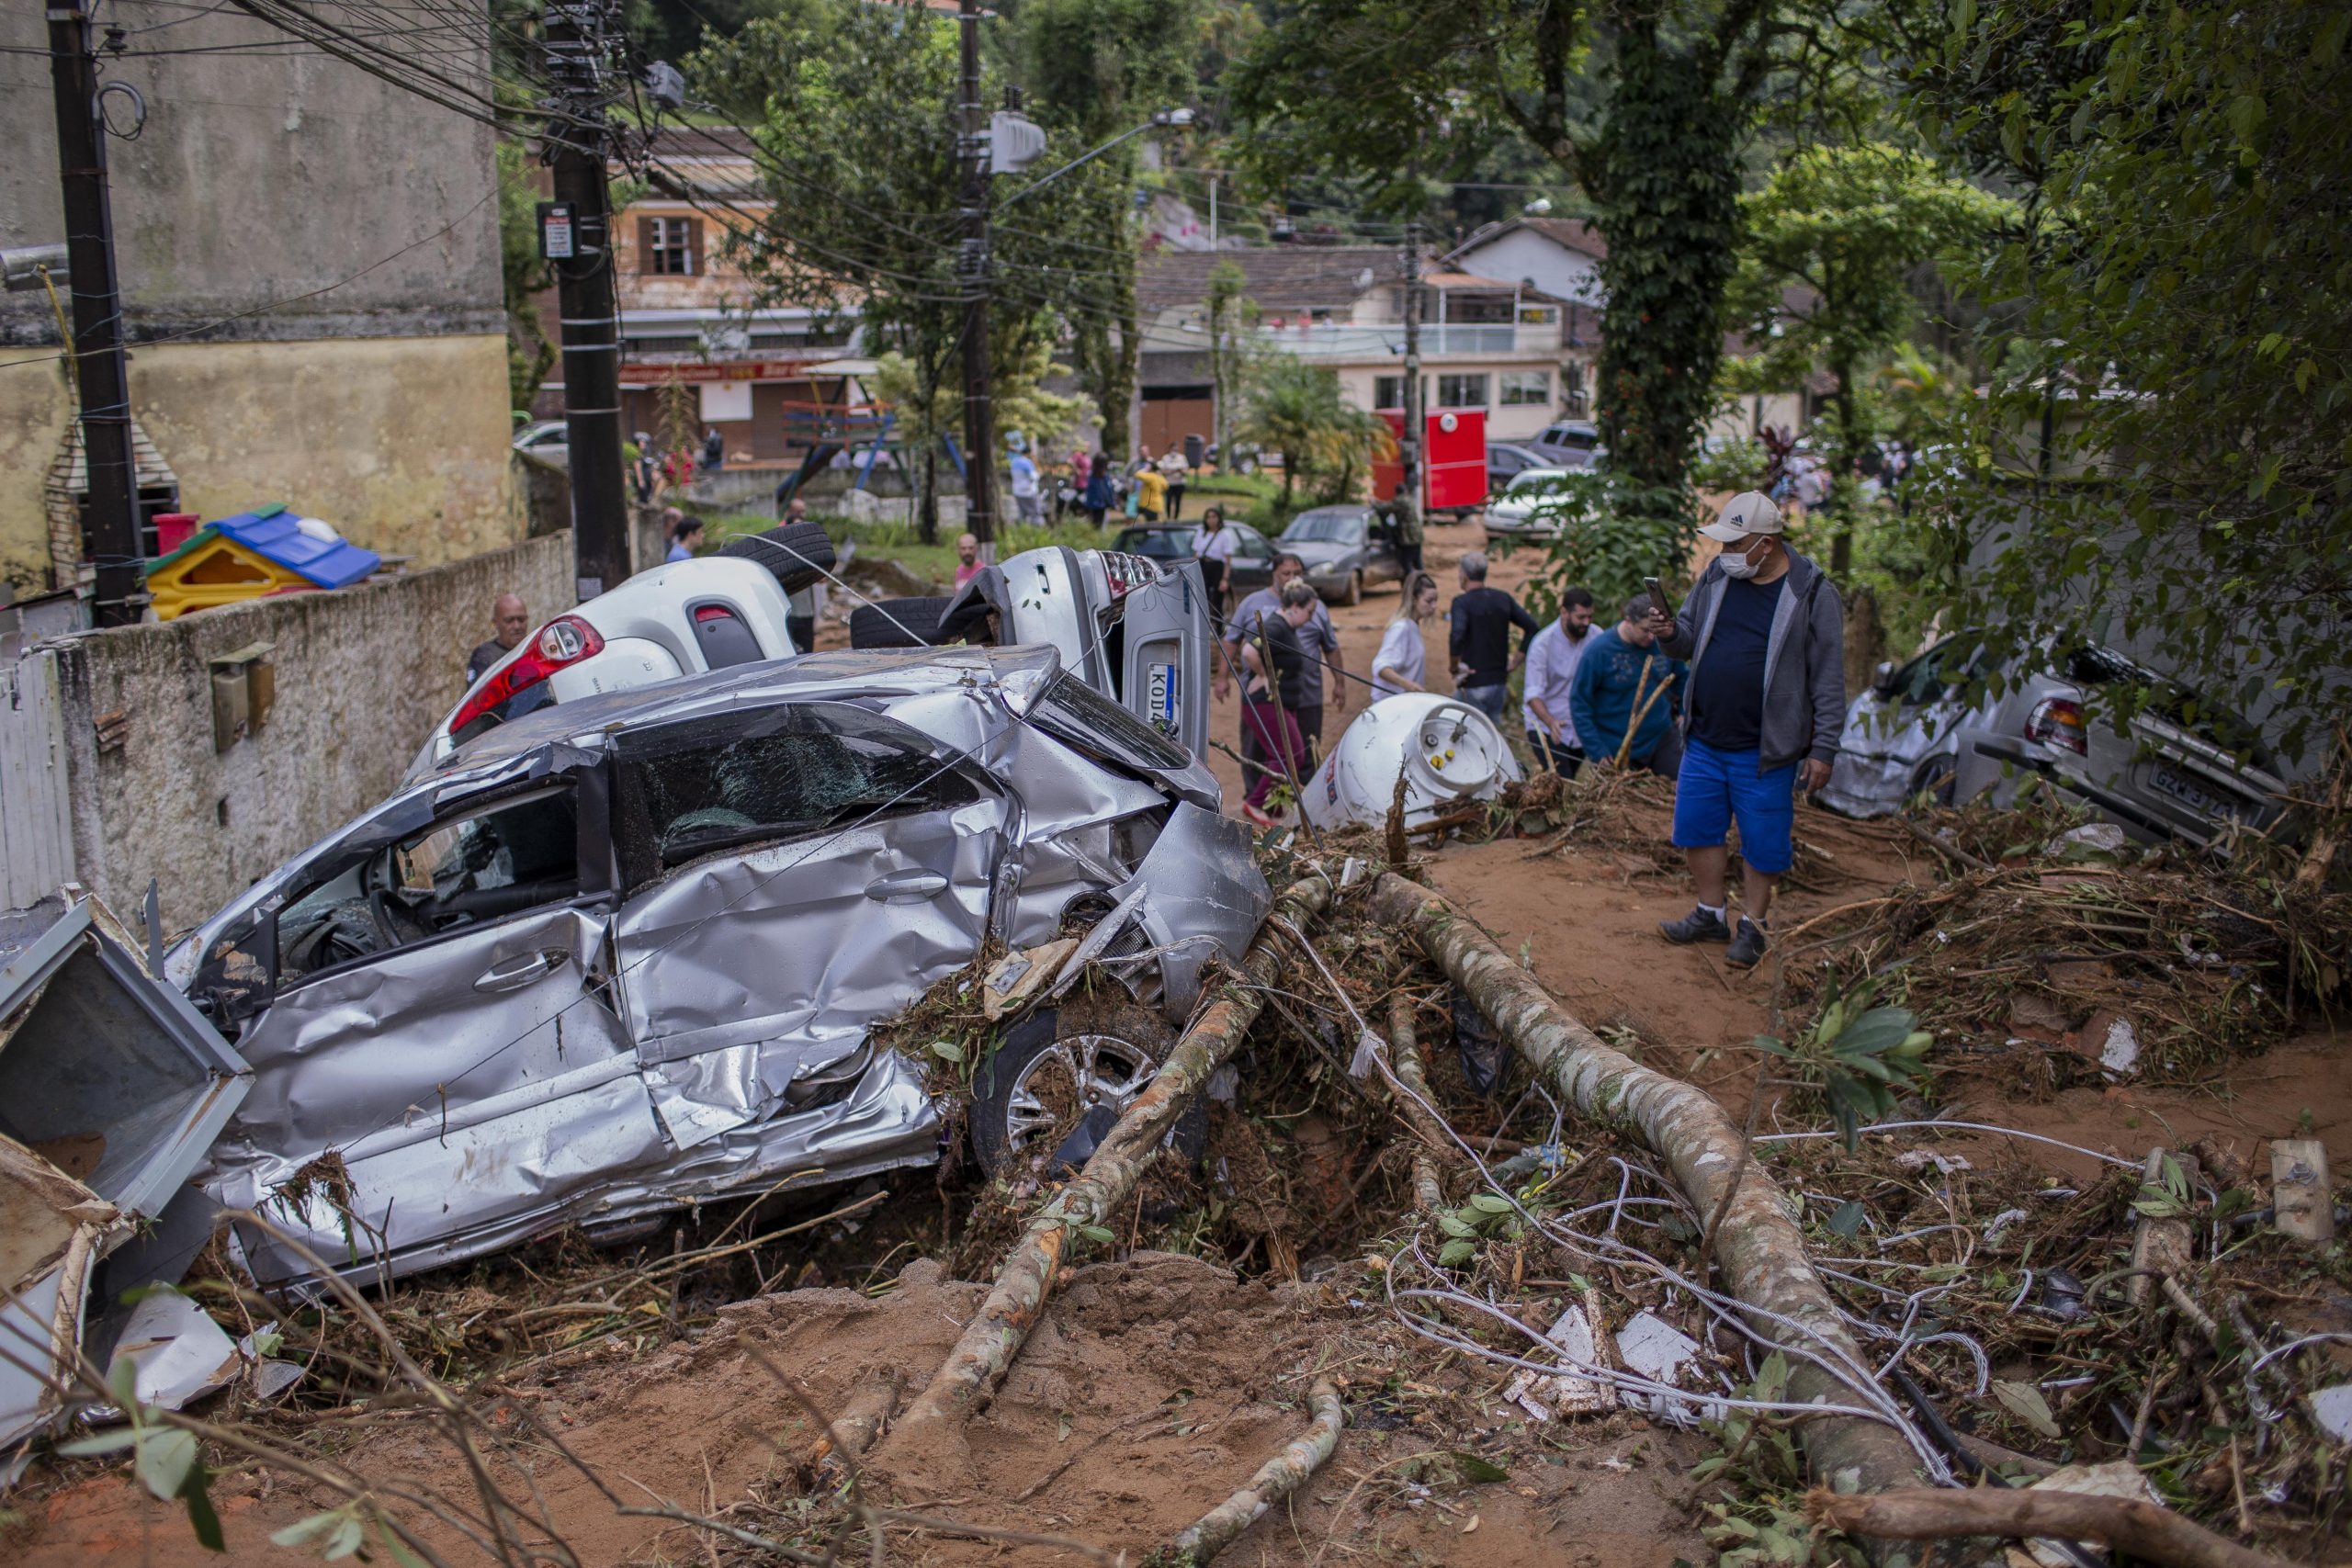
x,y
36,819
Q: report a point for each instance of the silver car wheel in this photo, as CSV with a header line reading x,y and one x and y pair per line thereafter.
x,y
1071,1077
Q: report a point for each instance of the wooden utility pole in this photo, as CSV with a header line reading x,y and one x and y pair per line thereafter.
x,y
101,371
1409,495
578,61
972,270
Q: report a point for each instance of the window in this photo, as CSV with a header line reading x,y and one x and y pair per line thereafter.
x,y
1539,315
672,246
1462,391
1388,392
701,788
1526,389
479,865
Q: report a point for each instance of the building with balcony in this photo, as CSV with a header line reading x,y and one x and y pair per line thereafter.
x,y
1520,354
694,330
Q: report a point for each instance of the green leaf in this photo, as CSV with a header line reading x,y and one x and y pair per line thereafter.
x,y
947,1050
166,1456
1454,1226
303,1530
201,1516
122,1381
1454,1254
1472,1468
1097,1235
114,1440
1847,1220
1491,1203
1875,1031
347,1540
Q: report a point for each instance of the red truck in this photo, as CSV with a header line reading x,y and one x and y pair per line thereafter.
x,y
1454,461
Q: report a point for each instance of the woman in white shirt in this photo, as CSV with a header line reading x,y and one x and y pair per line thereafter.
x,y
1215,548
1403,662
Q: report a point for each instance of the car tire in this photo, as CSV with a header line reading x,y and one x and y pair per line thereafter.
x,y
1935,777
798,555
1106,1048
1354,594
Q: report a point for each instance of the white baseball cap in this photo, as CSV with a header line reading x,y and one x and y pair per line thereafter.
x,y
1750,511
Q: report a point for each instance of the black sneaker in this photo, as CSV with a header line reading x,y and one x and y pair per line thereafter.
x,y
1748,947
1699,925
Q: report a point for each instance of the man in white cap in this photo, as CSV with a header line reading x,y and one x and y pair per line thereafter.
x,y
1764,634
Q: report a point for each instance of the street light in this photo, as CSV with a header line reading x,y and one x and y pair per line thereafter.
x,y
1177,117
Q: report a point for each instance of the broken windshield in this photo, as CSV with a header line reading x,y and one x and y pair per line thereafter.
x,y
735,789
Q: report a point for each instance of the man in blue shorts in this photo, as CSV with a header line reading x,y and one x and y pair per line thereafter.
x,y
1764,634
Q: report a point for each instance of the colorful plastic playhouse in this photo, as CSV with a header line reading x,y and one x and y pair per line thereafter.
x,y
270,549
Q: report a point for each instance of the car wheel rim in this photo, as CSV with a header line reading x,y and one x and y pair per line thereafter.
x,y
1066,1080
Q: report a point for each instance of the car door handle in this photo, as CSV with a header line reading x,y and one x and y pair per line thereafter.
x,y
907,887
513,973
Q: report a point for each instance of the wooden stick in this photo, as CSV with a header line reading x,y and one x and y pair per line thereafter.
x,y
2131,1525
984,1354
1760,1250
1405,1051
1642,711
1276,1479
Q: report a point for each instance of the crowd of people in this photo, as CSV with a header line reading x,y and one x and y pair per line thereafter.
x,y
1737,695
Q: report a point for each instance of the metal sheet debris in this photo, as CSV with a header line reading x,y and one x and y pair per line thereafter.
x,y
182,1354
1552,1398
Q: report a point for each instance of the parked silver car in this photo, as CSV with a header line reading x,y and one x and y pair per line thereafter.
x,y
1928,729
1342,547
626,953
2180,769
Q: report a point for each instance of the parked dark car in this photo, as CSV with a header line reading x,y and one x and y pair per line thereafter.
x,y
1342,547
1252,566
1506,462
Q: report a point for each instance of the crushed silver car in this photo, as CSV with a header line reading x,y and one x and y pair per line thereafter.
x,y
1901,736
626,953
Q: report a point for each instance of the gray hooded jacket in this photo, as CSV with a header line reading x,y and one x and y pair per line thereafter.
x,y
1804,660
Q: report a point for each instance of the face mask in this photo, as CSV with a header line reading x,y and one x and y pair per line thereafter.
x,y
1736,565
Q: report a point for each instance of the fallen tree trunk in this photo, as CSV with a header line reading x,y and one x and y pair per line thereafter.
x,y
2131,1525
985,1352
1760,1250
1276,1479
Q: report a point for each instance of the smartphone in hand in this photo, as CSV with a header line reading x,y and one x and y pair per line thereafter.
x,y
1659,604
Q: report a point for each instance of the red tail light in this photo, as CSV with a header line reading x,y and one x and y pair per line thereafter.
x,y
1127,572
2056,721
713,613
565,640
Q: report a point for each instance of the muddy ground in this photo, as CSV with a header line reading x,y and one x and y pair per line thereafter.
x,y
1158,1382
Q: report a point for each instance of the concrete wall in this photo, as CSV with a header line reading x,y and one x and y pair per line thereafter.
x,y
309,268
400,442
362,676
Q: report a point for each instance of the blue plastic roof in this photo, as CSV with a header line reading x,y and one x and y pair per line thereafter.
x,y
271,531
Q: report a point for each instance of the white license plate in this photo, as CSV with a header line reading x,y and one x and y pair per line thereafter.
x,y
2164,782
1160,687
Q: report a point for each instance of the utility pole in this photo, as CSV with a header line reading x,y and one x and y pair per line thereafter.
x,y
972,269
577,62
101,372
1409,449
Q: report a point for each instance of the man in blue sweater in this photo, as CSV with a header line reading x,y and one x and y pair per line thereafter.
x,y
1622,675
1766,636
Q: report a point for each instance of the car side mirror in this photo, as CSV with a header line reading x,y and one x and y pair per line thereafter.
x,y
1882,681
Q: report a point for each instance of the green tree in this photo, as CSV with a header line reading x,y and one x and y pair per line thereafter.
x,y
1092,70
1848,226
528,353
2164,454
1646,104
852,108
1295,409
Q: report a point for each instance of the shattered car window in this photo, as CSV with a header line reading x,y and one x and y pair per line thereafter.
x,y
696,799
1080,716
490,862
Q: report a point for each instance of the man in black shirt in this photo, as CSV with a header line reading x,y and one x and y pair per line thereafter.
x,y
509,618
1764,635
1480,643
